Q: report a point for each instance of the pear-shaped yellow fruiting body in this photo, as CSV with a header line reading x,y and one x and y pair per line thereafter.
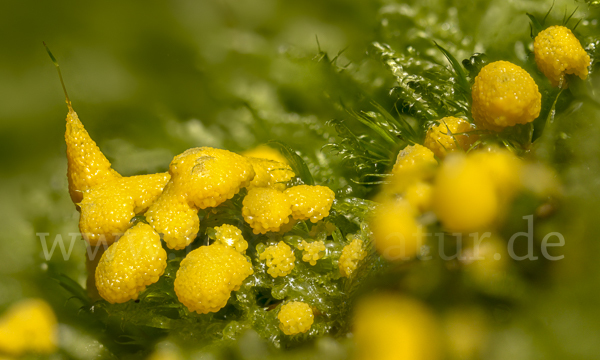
x,y
28,326
266,209
310,202
449,134
231,236
352,254
295,317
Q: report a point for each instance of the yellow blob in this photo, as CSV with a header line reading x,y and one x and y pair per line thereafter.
x,y
266,209
231,236
208,275
465,198
414,163
419,196
504,169
558,52
312,251
504,95
310,202
397,234
448,135
265,152
135,261
280,259
107,209
295,317
388,327
28,326
86,164
270,173
352,254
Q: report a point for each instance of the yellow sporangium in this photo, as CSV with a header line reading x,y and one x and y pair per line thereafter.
x,y
280,259
396,233
389,327
352,254
310,202
270,173
28,326
558,52
413,163
312,251
135,261
449,134
107,209
231,236
504,95
266,209
200,178
295,317
208,275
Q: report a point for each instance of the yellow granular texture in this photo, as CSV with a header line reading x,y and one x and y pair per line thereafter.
x,y
396,233
200,178
465,197
107,209
280,259
504,95
295,317
28,326
265,152
231,236
558,52
270,173
352,254
448,135
390,327
266,209
86,164
135,261
208,275
310,202
312,251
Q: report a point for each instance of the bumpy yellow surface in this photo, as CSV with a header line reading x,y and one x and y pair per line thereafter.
x,y
266,209
107,209
465,197
270,173
231,236
311,252
200,178
504,95
413,157
28,326
86,164
265,152
558,52
310,202
130,264
396,233
389,327
447,135
280,259
295,317
352,254
207,276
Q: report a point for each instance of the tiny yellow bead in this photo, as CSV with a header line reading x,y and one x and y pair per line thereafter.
x,y
295,317
28,326
231,236
312,251
448,134
266,209
280,259
310,202
352,254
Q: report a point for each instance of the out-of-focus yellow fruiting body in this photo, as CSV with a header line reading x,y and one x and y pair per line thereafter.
x,y
414,163
310,202
231,236
504,95
107,209
270,173
295,317
389,327
86,164
200,178
135,261
352,254
28,326
265,152
313,251
280,259
466,332
558,52
504,169
465,198
397,234
419,196
208,275
449,134
266,209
